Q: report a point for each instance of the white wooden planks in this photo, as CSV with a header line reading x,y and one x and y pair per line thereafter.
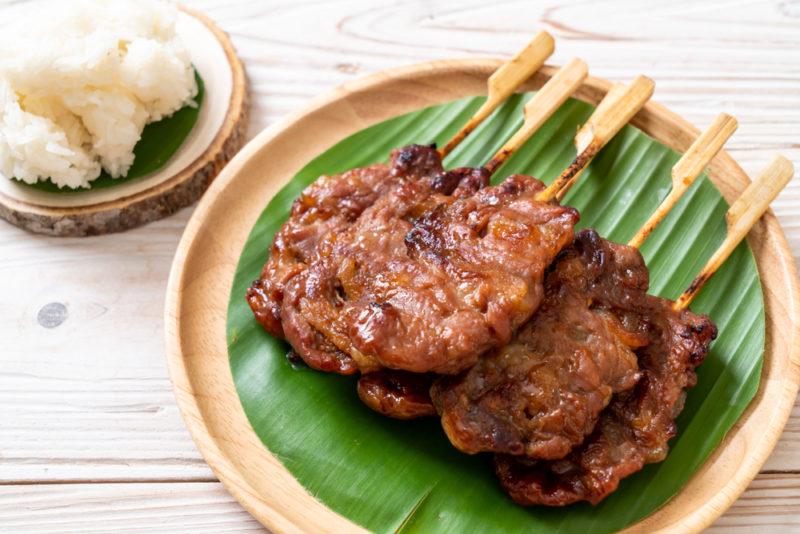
x,y
89,401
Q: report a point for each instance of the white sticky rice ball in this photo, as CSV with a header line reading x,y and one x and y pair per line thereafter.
x,y
78,86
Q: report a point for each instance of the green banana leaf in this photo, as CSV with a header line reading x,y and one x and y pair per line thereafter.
x,y
388,475
159,141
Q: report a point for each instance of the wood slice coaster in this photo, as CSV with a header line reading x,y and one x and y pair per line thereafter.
x,y
216,137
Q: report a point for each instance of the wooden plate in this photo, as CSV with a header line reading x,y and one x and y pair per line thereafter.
x,y
203,270
214,139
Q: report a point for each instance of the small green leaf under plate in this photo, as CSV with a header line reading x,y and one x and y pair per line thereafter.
x,y
159,141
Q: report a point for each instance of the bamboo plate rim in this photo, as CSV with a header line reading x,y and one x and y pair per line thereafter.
x,y
206,259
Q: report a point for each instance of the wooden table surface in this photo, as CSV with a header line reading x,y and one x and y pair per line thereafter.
x,y
90,436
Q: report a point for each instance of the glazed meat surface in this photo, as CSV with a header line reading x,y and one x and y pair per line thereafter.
x,y
397,394
542,394
426,281
465,301
635,428
313,298
329,204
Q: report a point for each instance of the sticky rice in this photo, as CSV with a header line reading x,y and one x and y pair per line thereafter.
x,y
78,86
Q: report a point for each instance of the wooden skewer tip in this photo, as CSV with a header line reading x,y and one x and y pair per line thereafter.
x,y
612,113
504,81
743,214
541,107
687,169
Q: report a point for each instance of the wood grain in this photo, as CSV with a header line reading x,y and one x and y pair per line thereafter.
x,y
89,398
123,508
771,502
66,406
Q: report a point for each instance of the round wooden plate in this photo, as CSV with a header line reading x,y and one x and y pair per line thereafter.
x,y
214,139
203,270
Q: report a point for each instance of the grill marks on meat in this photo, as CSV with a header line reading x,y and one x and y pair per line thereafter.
x,y
542,394
632,431
635,428
313,315
328,205
404,270
426,282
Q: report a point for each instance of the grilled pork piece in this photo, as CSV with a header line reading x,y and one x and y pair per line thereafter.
x,y
397,394
541,395
313,298
329,204
429,278
635,428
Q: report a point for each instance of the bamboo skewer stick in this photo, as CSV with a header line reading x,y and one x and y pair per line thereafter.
x,y
688,168
546,101
505,81
741,216
614,111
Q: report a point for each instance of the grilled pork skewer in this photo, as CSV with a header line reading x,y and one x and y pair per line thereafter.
x,y
542,394
635,428
310,322
433,274
403,395
332,203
